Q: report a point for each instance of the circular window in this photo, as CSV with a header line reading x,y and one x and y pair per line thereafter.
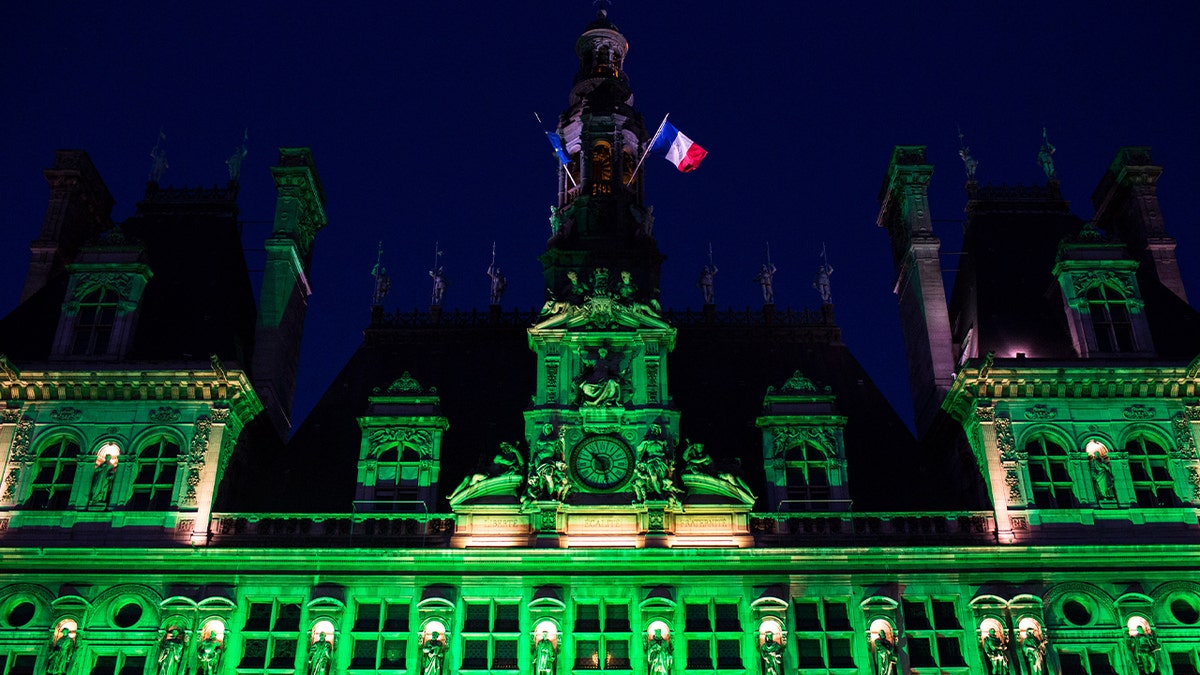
x,y
1076,612
21,614
1185,611
128,615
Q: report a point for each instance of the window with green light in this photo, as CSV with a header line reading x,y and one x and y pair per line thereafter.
x,y
1086,661
934,634
1149,470
1185,661
713,631
380,635
490,634
822,635
154,485
119,664
1049,479
17,664
271,634
54,475
1110,320
602,634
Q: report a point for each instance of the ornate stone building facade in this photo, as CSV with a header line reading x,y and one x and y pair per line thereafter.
x,y
605,485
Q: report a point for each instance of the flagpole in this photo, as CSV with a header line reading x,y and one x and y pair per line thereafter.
x,y
648,146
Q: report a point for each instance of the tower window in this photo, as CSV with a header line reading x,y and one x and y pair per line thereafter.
x,y
1110,320
94,323
55,475
155,483
807,478
1049,479
1149,470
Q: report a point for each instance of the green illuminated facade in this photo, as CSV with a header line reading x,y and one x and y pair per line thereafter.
x,y
604,485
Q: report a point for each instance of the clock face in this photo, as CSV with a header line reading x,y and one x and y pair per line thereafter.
x,y
602,463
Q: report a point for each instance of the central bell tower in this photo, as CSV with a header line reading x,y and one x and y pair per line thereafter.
x,y
601,220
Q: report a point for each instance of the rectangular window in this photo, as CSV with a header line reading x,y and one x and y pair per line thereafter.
x,y
119,664
935,634
1085,662
607,649
17,664
1185,662
713,635
822,634
490,633
380,633
272,635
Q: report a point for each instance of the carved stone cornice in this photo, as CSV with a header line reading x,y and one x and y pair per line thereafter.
x,y
176,386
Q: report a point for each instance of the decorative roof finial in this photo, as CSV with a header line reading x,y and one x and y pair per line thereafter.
x,y
158,158
382,282
964,152
235,160
1046,156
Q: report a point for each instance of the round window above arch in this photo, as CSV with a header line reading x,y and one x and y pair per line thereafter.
x,y
1078,611
127,614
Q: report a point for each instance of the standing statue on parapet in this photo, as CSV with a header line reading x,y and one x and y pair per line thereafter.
x,y
765,279
821,282
1046,156
383,283
239,155
439,285
706,283
158,159
969,162
499,283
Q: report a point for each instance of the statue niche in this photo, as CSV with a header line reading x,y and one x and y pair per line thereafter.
x,y
603,381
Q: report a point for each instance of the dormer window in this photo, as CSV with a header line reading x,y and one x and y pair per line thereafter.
x,y
94,323
1111,322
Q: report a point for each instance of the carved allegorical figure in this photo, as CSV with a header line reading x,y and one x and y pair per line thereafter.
x,y
547,477
652,475
600,379
318,656
885,655
659,658
996,651
765,279
1034,649
208,653
1145,649
1046,156
433,653
707,282
170,652
772,655
102,479
544,655
62,652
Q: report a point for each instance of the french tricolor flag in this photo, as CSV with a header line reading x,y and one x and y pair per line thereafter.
x,y
681,150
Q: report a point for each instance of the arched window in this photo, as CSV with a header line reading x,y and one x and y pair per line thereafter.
x,y
94,322
807,470
1049,480
396,476
602,168
1110,320
154,485
55,473
1148,468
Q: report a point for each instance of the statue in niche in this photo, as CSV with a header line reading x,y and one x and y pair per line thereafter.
x,y
433,653
996,651
1102,474
772,655
652,475
766,279
318,656
547,478
600,380
208,653
885,654
102,479
62,652
544,655
1145,649
1034,649
659,658
498,285
170,652
706,282
439,285
556,221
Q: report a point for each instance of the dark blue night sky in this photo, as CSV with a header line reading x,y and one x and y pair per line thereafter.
x,y
420,117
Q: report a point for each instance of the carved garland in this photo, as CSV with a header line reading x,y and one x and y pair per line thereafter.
x,y
87,282
823,438
1005,441
1184,440
1013,480
1041,411
419,439
1138,412
195,459
1085,281
1194,480
66,414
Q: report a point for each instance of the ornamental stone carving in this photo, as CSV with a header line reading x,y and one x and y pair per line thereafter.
x,y
220,415
21,438
1194,480
10,415
1085,281
1138,412
405,384
824,438
985,413
14,476
797,383
1041,411
199,445
87,282
1185,442
1005,441
66,414
1013,480
420,440
164,415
